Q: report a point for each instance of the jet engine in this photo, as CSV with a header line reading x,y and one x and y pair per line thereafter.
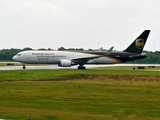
x,y
65,63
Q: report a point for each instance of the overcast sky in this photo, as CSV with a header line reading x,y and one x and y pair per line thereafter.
x,y
78,23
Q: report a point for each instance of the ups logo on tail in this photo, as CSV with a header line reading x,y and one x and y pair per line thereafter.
x,y
139,43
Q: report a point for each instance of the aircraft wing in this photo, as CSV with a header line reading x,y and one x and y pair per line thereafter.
x,y
86,59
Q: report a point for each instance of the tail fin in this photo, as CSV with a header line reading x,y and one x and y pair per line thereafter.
x,y
138,45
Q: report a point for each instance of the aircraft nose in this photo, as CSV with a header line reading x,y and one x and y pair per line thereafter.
x,y
15,58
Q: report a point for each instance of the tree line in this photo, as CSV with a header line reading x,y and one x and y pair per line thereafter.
x,y
152,57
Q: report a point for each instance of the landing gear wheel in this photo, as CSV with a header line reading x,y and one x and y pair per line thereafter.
x,y
81,67
24,67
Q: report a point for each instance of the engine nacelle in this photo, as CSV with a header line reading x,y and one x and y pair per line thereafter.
x,y
65,63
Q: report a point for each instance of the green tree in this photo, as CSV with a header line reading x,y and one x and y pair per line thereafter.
x,y
7,54
61,48
27,48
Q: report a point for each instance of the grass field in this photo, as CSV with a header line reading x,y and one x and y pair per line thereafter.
x,y
80,95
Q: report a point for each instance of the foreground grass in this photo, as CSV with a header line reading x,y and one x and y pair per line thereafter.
x,y
51,95
51,75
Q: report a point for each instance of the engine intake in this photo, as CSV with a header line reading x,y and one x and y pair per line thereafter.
x,y
65,63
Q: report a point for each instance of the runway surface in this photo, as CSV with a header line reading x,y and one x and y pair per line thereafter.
x,y
42,67
55,67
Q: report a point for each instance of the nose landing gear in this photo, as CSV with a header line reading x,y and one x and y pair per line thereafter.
x,y
24,67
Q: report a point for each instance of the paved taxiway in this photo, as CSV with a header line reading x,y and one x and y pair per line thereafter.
x,y
55,67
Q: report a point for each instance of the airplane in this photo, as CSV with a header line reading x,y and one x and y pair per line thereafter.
x,y
80,58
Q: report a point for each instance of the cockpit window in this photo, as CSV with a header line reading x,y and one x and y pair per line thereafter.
x,y
18,54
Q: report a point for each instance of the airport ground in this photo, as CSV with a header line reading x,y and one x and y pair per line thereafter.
x,y
92,94
18,66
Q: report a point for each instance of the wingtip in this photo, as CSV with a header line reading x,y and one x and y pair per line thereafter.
x,y
109,51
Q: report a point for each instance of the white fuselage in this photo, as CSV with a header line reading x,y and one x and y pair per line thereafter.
x,y
53,57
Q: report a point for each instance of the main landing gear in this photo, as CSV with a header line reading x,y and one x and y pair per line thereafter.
x,y
81,67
